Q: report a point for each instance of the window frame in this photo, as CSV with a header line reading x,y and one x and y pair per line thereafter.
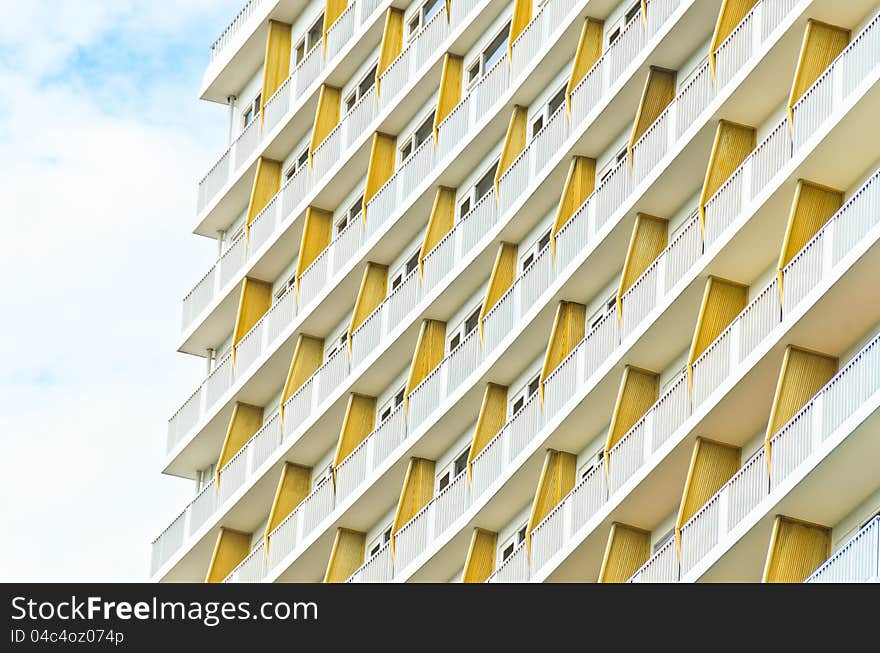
x,y
480,60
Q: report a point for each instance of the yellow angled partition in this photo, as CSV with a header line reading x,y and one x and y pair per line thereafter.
x,y
628,549
729,16
658,92
568,331
332,11
732,144
440,223
521,16
392,42
502,278
230,549
417,491
579,184
428,354
557,479
254,301
514,142
346,555
820,47
307,357
316,234
267,183
648,240
722,301
245,421
638,391
358,423
588,52
326,117
382,153
796,549
374,286
277,60
449,94
712,465
493,414
480,561
811,208
293,486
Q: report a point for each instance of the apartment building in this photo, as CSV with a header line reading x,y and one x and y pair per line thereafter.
x,y
536,291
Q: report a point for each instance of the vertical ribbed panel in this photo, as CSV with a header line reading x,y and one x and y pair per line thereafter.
x,y
503,276
722,301
267,183
440,223
374,287
520,17
796,549
382,154
568,331
307,357
230,549
579,184
588,52
346,555
244,422
392,42
254,301
358,423
658,92
316,235
628,549
648,240
449,94
332,11
480,561
277,58
732,144
514,141
428,354
493,414
557,479
294,485
326,116
712,465
637,393
417,491
821,45
729,16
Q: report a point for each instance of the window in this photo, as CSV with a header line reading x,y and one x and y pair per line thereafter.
x,y
297,165
322,475
381,540
591,464
478,191
611,165
251,111
403,271
462,331
543,116
672,379
386,410
336,344
421,17
309,41
516,540
618,27
360,90
423,133
205,476
520,398
284,287
488,57
452,471
659,544
609,306
532,252
350,216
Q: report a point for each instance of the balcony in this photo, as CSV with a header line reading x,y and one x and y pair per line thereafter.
x,y
857,561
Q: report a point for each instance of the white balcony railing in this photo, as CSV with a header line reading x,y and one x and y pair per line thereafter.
x,y
662,567
515,569
252,568
857,561
378,569
249,9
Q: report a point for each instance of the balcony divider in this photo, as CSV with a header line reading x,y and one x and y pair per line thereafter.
x,y
589,51
730,15
230,549
449,94
657,94
380,169
648,240
254,301
580,182
317,230
392,42
244,422
723,301
514,142
796,549
326,118
500,280
276,67
358,423
557,478
732,144
267,183
493,414
821,46
440,222
520,18
293,486
333,9
639,389
372,292
628,548
480,561
568,330
417,491
307,358
346,555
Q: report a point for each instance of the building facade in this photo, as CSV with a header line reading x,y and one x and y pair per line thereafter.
x,y
537,291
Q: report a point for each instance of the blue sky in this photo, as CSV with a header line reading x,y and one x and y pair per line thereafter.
x,y
103,141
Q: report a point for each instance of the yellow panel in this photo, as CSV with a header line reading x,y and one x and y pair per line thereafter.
x,y
294,485
658,92
628,549
568,331
480,561
428,354
802,375
332,11
820,47
326,117
358,423
637,393
730,15
732,144
267,183
796,549
811,208
254,301
648,240
392,42
557,480
307,357
579,185
277,67
522,14
493,414
449,94
514,142
723,300
374,286
382,153
317,230
230,549
589,51
417,491
245,421
346,556
502,278
712,465
440,223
